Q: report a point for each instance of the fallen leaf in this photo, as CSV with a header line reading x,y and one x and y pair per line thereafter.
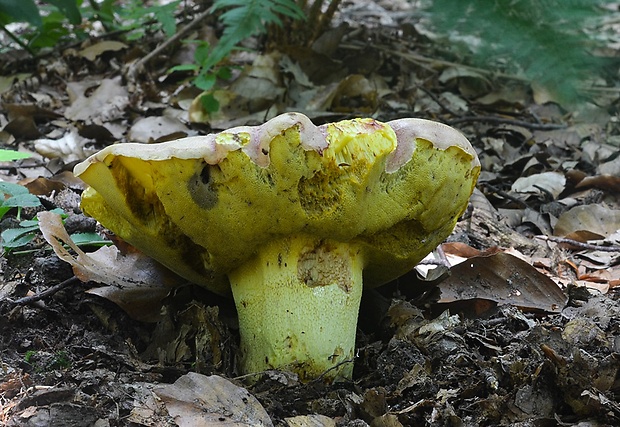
x,y
71,147
92,52
196,400
310,421
602,182
137,282
503,279
591,218
107,102
157,128
553,182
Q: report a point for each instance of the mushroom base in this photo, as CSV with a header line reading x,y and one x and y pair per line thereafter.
x,y
298,302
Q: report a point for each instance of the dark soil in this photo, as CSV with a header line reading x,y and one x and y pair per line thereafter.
x,y
75,359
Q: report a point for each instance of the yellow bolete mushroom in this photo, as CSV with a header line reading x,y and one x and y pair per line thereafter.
x,y
292,219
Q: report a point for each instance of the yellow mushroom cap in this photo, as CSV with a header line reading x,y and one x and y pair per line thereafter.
x,y
205,205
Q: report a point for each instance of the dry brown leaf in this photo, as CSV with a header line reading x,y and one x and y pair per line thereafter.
x,y
602,182
553,182
105,103
592,218
71,147
504,279
582,236
310,421
43,186
465,251
196,400
92,52
157,128
137,283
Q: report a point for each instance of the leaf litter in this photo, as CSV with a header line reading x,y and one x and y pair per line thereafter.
x,y
515,322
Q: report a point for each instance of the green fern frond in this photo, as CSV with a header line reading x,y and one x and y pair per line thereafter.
x,y
545,40
245,18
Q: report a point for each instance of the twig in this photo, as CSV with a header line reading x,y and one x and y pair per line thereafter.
x,y
505,195
417,58
17,40
503,120
581,245
336,366
140,64
441,261
46,293
438,101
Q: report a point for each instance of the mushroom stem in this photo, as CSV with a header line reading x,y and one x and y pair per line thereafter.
x,y
298,301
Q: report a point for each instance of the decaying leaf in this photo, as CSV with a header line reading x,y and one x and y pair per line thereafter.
x,y
503,279
552,182
107,101
310,421
603,182
157,129
592,218
136,282
92,52
69,148
196,400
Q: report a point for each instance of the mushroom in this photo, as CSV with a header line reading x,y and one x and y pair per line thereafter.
x,y
291,219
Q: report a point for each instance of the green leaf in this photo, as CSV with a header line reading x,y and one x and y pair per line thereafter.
x,y
209,103
22,201
8,188
245,18
202,52
22,11
50,34
4,210
92,239
224,73
68,8
29,223
16,237
15,196
184,67
205,81
165,15
10,155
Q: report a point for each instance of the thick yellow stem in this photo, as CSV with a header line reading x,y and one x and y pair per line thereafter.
x,y
298,302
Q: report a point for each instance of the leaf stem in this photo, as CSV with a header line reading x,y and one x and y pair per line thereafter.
x,y
17,40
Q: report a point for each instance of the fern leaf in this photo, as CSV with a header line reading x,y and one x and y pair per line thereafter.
x,y
244,18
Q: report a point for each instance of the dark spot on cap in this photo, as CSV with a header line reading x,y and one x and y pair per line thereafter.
x,y
201,188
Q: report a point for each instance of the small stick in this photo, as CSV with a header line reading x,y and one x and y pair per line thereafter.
x,y
505,195
46,293
503,120
139,65
438,101
613,248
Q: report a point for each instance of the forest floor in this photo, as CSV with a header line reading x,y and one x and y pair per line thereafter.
x,y
519,325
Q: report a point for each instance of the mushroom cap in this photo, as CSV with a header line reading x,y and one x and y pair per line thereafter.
x,y
204,205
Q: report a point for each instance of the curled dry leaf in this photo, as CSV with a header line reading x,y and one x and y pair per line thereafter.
x,y
196,400
69,148
504,279
92,52
552,182
136,282
106,103
160,128
602,182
